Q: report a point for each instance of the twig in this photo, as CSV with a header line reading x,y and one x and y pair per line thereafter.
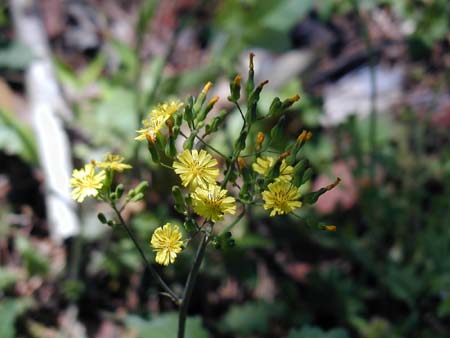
x,y
168,291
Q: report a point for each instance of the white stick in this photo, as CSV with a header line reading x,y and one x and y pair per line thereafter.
x,y
46,107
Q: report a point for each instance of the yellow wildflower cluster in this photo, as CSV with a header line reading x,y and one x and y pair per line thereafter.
x,y
282,196
263,165
157,119
198,172
88,181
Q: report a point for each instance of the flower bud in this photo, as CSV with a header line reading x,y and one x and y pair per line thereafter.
x,y
201,98
278,129
241,163
235,89
202,114
102,218
290,101
171,149
141,187
259,140
251,76
137,197
151,146
330,227
252,102
304,136
188,114
119,191
275,107
189,143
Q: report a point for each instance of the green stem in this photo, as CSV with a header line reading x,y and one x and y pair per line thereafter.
x,y
190,285
168,291
232,224
373,93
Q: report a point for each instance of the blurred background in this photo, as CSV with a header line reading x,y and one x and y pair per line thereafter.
x,y
76,77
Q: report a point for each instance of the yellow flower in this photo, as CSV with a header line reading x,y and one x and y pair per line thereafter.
x,y
86,182
167,243
282,197
263,164
113,162
157,119
196,168
213,202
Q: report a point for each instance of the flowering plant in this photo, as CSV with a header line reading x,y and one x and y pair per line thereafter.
x,y
209,191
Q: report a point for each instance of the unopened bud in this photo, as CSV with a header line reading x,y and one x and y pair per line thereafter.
x,y
290,101
304,136
241,163
259,140
332,185
235,89
207,87
330,227
284,155
237,80
252,55
212,102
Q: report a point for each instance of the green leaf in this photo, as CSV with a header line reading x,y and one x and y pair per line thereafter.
x,y
315,332
251,318
114,118
7,278
16,139
165,326
10,309
36,263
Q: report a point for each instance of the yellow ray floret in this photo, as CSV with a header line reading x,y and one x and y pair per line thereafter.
x,y
196,168
282,197
167,243
113,162
213,202
263,164
85,182
157,119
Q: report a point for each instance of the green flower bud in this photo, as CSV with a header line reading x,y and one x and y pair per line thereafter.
x,y
201,98
235,89
171,149
189,143
139,196
102,218
278,130
141,187
251,76
275,107
119,191
152,148
188,114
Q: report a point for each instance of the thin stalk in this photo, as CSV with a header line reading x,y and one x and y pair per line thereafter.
x,y
168,291
190,285
232,224
373,117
